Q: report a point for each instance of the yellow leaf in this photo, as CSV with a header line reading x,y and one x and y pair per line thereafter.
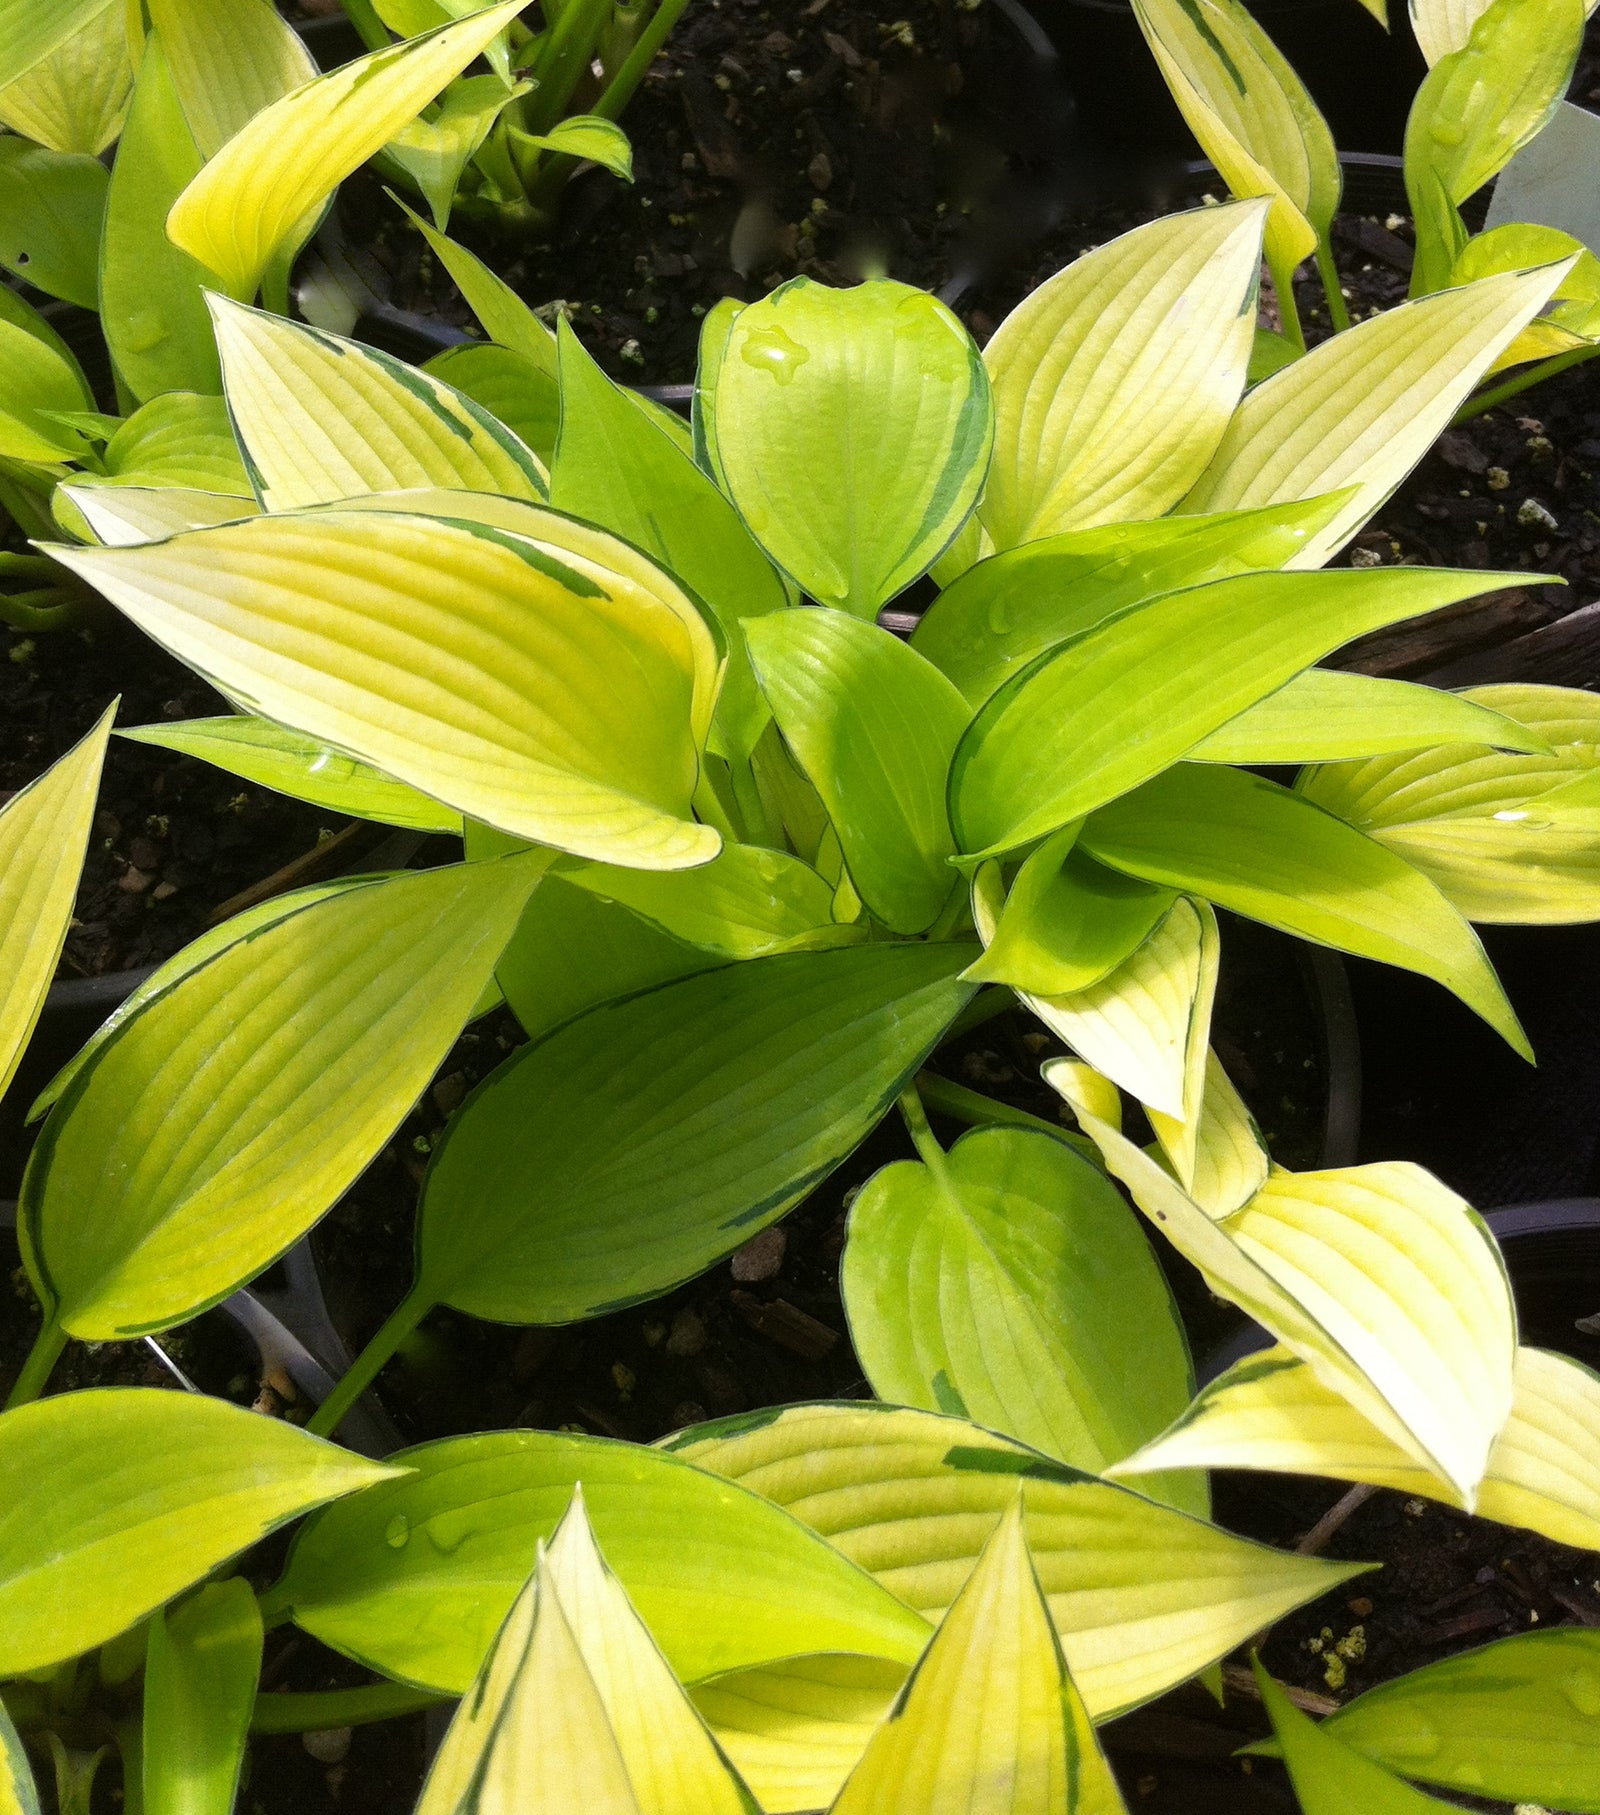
x,y
76,98
119,515
230,60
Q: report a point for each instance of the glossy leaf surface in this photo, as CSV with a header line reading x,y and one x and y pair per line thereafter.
x,y
202,1663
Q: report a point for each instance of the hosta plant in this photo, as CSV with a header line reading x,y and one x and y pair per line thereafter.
x,y
740,859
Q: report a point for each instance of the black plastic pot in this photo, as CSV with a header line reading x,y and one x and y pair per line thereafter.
x,y
1362,78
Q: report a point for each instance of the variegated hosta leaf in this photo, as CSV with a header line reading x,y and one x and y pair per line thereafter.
x,y
578,683
259,194
1114,381
44,831
1230,1160
1506,837
573,1646
120,516
1142,1596
322,419
1386,1283
230,59
1270,1411
1364,407
501,313
1329,1777
990,1718
77,97
435,151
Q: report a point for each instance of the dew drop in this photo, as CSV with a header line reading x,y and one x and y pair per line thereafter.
x,y
397,1533
1447,132
772,350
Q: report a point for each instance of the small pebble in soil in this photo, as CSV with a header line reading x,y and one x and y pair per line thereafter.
x,y
687,1335
761,1257
329,1746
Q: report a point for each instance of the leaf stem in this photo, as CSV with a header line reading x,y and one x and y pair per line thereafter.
x,y
619,91
37,1369
1531,375
922,1136
363,16
369,1363
978,1111
1329,273
282,1712
1288,310
956,909
752,808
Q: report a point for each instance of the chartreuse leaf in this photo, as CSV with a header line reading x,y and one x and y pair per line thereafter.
x,y
31,29
75,98
587,135
1573,319
1479,105
37,386
1385,1283
1505,837
1003,612
715,333
231,59
202,1662
1114,381
217,1124
666,1129
1011,1285
1514,1719
119,1498
615,468
178,439
1325,715
18,1793
990,1718
416,1582
572,1635
1230,1163
515,391
580,675
873,726
1252,116
502,314
1329,1777
434,152
197,952
151,292
1124,699
852,430
52,204
1270,1412
299,766
44,831
1255,848
1142,1596
258,195
122,515
1364,407
322,419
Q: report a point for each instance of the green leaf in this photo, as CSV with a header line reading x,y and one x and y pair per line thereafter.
x,y
322,419
18,1793
665,1130
715,333
218,1123
119,516
1325,715
580,680
1115,380
119,1498
44,832
230,60
874,727
259,194
31,29
1012,1285
1129,696
853,430
1005,611
37,387
990,1719
503,315
75,99
1253,847
414,1578
1364,407
51,207
301,767
1141,1596
615,468
514,390
179,439
152,294
202,1664
434,152
586,135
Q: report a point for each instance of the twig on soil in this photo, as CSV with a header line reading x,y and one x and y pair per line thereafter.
x,y
297,870
1334,1517
1241,1681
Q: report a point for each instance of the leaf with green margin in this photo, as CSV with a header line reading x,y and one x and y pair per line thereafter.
x,y
1326,715
179,439
322,419
434,152
1126,698
18,1793
1004,612
44,833
266,754
874,727
670,1127
119,1498
853,430
1068,922
615,468
1271,1412
31,29
203,1659
259,194
152,297
510,386
587,135
218,1123
1141,1595
1259,850
1013,1286
715,333
415,1577
76,98
580,681
1115,380
230,59
38,386
990,1718
52,204
120,516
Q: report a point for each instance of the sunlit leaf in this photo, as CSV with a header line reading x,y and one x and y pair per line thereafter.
x,y
202,1664
434,152
75,99
514,390
586,135
119,516
37,387
1330,1778
230,60
503,315
31,29
179,439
